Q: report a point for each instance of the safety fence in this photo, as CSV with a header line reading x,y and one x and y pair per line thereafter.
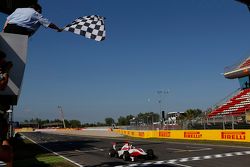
x,y
217,135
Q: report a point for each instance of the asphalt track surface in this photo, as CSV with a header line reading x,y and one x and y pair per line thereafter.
x,y
93,151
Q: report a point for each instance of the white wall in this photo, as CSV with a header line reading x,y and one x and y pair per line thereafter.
x,y
15,47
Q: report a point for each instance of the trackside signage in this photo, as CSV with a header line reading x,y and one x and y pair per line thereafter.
x,y
164,134
141,134
218,135
193,135
233,136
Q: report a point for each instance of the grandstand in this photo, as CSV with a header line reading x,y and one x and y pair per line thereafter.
x,y
239,104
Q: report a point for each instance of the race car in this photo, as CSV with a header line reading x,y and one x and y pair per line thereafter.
x,y
128,152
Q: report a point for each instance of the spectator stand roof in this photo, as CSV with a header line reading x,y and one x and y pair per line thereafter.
x,y
238,70
8,6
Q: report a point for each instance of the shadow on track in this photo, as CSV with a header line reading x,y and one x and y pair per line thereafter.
x,y
25,154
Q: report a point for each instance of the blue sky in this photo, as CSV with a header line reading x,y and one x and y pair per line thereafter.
x,y
180,46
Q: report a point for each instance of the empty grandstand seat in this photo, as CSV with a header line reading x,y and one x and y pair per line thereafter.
x,y
237,105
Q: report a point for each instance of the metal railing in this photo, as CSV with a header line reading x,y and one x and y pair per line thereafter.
x,y
218,122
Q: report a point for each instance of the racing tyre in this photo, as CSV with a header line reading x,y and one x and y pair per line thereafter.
x,y
150,154
112,153
126,156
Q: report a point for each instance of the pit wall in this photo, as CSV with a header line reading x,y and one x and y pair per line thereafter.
x,y
218,135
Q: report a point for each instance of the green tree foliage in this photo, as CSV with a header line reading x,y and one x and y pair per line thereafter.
x,y
148,117
68,123
128,118
125,120
100,124
190,114
75,124
141,118
109,121
122,121
44,121
193,113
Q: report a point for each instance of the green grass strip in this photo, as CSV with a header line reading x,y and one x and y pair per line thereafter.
x,y
50,159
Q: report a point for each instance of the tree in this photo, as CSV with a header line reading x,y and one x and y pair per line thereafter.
x,y
182,117
45,121
148,117
128,118
193,113
75,124
100,124
67,123
122,121
109,121
189,114
141,117
55,121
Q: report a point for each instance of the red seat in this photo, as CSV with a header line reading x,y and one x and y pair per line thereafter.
x,y
236,105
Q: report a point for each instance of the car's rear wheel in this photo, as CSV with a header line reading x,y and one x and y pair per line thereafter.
x,y
126,156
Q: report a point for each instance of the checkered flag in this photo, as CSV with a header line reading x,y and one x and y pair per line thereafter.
x,y
89,26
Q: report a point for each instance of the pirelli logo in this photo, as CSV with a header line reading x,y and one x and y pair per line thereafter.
x,y
164,134
141,134
193,135
233,135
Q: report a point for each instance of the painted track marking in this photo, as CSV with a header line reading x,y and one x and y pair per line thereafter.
x,y
95,149
189,150
53,152
188,159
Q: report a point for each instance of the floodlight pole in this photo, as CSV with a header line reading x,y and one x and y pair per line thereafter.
x,y
160,93
62,115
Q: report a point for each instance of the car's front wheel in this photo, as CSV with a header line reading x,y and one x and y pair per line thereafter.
x,y
126,156
112,153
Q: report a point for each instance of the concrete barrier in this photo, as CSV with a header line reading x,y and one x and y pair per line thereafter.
x,y
92,132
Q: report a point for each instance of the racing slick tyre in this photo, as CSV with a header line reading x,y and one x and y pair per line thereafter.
x,y
150,154
112,153
126,156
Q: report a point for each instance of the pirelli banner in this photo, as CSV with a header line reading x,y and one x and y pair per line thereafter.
x,y
13,51
219,135
226,135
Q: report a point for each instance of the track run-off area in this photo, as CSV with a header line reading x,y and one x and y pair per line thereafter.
x,y
87,151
